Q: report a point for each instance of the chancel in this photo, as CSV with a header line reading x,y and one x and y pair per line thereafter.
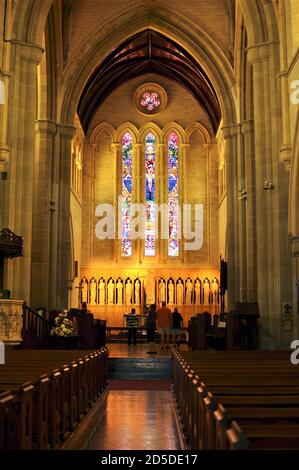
x,y
149,194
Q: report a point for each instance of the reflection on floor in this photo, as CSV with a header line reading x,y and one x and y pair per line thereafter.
x,y
137,420
140,350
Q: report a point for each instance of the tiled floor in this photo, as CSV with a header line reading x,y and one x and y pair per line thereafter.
x,y
123,350
137,420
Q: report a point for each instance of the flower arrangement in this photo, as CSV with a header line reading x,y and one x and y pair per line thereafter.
x,y
63,326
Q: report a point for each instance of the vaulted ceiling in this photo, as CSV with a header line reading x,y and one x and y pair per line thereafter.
x,y
148,52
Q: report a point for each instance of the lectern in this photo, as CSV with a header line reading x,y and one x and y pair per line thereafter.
x,y
248,313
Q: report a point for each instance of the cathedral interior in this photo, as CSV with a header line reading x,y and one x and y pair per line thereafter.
x,y
149,154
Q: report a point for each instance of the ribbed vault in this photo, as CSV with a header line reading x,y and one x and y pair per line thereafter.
x,y
148,52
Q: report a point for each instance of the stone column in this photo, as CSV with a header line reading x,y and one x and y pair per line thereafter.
x,y
273,249
62,252
230,134
116,148
183,183
44,207
250,187
22,101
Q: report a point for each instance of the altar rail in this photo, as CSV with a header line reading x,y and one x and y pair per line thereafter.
x,y
45,394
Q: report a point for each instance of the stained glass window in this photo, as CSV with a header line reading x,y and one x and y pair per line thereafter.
x,y
173,195
150,187
150,101
127,167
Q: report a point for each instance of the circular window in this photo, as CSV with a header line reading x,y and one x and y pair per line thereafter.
x,y
150,98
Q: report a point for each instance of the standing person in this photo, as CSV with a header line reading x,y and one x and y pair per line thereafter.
x,y
151,326
164,324
132,323
177,325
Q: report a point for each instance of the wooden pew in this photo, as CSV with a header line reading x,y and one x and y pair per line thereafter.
x,y
249,389
52,403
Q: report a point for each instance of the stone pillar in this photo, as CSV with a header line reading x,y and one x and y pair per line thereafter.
x,y
20,185
273,249
213,203
251,277
116,148
44,208
230,134
183,182
62,253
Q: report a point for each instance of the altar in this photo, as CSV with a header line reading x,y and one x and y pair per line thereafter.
x,y
111,295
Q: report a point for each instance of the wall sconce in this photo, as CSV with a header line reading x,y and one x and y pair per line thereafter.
x,y
52,206
268,185
243,196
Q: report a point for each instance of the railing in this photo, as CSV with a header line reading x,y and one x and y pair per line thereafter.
x,y
36,329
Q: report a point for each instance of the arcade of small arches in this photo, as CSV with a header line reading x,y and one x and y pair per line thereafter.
x,y
241,82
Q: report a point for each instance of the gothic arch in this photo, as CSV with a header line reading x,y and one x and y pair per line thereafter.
x,y
150,127
177,27
127,127
173,126
103,127
198,127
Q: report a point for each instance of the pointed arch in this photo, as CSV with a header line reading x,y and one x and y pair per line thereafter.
x,y
173,127
103,127
202,130
150,127
124,128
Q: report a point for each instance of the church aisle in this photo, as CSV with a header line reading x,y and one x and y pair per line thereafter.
x,y
137,420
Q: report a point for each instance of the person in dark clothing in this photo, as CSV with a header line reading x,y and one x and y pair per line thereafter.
x,y
151,324
177,325
132,323
151,328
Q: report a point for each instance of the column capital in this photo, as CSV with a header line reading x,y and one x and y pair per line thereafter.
x,y
295,245
247,127
229,132
115,147
259,52
138,146
31,52
185,147
44,126
66,130
161,146
4,153
286,156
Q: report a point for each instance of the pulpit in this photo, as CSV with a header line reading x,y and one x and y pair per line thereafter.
x,y
11,313
11,321
248,314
